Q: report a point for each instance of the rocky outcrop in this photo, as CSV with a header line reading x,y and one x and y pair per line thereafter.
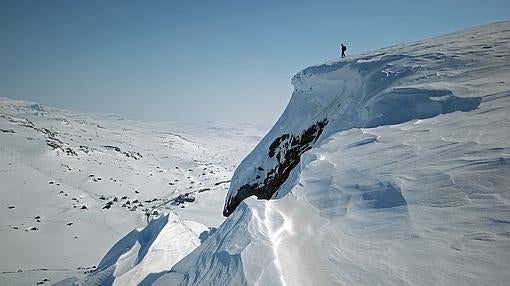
x,y
287,150
130,154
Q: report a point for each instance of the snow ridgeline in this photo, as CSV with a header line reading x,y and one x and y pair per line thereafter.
x,y
368,92
139,256
386,169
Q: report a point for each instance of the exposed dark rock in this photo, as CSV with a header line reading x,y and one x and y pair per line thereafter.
x,y
289,149
182,198
7,131
54,143
85,149
133,154
110,147
108,205
71,152
222,182
276,143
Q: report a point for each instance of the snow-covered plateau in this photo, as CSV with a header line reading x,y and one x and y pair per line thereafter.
x,y
387,168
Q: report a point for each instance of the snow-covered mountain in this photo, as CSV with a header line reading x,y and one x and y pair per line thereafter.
x,y
72,184
385,169
388,168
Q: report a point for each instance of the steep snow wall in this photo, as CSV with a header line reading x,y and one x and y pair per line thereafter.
x,y
390,168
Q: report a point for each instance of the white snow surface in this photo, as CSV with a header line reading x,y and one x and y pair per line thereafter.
x,y
408,184
146,251
46,236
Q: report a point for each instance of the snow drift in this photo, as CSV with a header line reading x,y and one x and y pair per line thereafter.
x,y
390,168
139,256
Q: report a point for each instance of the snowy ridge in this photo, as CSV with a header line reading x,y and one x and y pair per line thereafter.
x,y
152,249
387,87
406,182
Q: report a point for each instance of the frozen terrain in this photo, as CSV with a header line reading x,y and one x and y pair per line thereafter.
x,y
388,168
73,184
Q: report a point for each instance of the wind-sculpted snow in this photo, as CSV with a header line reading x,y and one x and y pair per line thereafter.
x,y
370,91
406,184
404,104
386,169
135,258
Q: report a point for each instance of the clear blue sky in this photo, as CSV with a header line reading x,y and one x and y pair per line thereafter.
x,y
200,60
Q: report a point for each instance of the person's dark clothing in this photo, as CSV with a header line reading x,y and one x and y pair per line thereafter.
x,y
344,48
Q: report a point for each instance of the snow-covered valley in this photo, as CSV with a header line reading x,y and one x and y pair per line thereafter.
x,y
73,184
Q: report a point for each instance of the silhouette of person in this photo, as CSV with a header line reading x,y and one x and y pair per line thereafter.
x,y
344,48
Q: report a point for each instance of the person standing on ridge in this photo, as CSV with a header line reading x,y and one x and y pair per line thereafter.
x,y
344,48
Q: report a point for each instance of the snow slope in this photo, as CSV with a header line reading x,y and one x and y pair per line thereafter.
x,y
72,184
389,168
151,249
